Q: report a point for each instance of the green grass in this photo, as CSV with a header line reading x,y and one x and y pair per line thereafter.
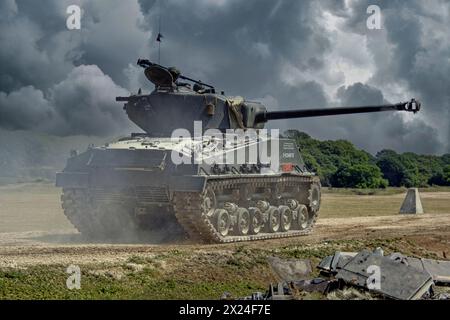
x,y
193,274
49,282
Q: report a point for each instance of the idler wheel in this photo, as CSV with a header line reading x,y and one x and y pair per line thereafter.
x,y
256,220
243,222
314,197
274,220
223,222
303,217
285,218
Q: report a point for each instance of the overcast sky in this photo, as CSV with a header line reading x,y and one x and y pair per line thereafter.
x,y
288,54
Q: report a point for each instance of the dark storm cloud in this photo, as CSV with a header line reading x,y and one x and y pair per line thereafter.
x,y
373,132
385,130
83,103
59,81
249,47
38,50
417,33
33,52
24,109
277,51
360,94
241,46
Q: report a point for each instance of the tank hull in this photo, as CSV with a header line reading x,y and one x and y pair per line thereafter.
x,y
115,191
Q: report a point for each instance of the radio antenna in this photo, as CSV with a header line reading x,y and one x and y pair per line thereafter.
x,y
160,36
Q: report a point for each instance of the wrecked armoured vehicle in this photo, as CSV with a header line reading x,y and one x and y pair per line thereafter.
x,y
140,183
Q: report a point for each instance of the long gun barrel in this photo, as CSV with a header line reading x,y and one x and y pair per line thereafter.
x,y
410,106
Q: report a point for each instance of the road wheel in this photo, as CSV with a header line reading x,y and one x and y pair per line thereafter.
x,y
314,197
256,220
222,222
285,218
274,220
243,222
303,217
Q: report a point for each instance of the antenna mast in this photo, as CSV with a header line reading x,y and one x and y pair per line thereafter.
x,y
160,36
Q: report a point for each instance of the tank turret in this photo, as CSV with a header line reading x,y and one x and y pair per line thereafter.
x,y
174,104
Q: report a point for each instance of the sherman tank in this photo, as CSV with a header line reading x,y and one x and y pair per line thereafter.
x,y
204,164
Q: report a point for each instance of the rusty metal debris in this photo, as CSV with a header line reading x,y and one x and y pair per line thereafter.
x,y
320,285
285,290
396,280
280,291
339,259
438,269
399,276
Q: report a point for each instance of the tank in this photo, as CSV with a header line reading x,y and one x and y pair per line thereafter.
x,y
204,165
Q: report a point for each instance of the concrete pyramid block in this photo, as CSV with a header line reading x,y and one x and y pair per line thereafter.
x,y
412,203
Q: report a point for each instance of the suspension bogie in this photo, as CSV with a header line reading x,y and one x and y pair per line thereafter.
x,y
261,209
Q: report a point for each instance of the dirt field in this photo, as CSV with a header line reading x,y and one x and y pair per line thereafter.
x,y
35,239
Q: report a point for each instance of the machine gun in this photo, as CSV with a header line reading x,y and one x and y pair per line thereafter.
x,y
166,77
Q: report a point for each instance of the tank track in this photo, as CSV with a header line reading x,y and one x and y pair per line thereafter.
x,y
198,219
115,218
96,221
196,215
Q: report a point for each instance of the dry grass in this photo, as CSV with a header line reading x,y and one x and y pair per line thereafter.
x,y
342,205
200,271
36,206
30,207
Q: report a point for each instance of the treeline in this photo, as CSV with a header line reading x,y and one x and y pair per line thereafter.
x,y
339,164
